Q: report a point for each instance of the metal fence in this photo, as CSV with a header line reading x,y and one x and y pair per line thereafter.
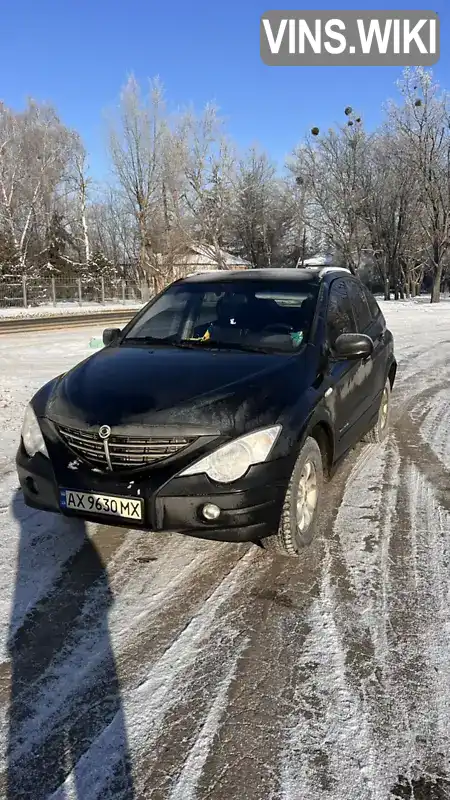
x,y
23,291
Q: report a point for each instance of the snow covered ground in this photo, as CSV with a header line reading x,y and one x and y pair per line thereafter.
x,y
161,667
66,308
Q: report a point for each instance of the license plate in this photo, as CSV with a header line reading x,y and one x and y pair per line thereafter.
x,y
88,502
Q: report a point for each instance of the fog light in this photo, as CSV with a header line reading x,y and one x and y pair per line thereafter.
x,y
210,511
31,486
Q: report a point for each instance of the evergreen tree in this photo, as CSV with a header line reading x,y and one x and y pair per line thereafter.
x,y
57,242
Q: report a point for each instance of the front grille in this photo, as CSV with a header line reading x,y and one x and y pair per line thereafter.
x,y
125,452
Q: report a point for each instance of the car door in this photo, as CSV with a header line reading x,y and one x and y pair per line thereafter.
x,y
375,368
343,396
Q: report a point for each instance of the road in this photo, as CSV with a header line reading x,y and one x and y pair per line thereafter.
x,y
158,667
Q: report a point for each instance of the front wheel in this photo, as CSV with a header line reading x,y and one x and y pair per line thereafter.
x,y
380,430
301,503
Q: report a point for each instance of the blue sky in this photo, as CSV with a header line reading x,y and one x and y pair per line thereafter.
x,y
77,54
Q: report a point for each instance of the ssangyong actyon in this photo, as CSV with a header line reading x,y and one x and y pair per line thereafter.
x,y
218,411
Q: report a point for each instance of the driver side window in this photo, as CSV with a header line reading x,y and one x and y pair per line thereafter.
x,y
339,314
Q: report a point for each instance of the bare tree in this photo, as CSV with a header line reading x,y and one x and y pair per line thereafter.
x,y
330,167
80,183
262,211
421,124
389,189
34,152
378,201
206,161
137,141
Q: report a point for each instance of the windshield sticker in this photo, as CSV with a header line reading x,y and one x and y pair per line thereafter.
x,y
203,338
297,337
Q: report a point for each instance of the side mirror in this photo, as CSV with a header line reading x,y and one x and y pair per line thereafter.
x,y
111,336
352,346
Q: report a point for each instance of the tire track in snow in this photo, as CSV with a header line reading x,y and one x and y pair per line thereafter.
x,y
435,428
187,782
244,761
385,623
243,752
333,751
419,674
362,531
147,705
393,581
414,446
329,749
75,671
422,350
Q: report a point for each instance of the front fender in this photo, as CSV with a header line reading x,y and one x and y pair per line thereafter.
x,y
391,371
306,415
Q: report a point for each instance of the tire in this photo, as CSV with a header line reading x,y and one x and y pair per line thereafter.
x,y
291,537
381,428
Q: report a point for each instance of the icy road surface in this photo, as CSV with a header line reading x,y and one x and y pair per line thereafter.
x,y
158,667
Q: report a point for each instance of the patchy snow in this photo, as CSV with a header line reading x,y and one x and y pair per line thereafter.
x,y
435,428
318,746
147,705
84,654
25,365
62,309
377,703
22,586
187,783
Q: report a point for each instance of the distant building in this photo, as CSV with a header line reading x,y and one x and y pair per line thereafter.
x,y
202,258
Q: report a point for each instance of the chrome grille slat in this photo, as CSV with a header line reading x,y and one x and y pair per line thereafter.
x,y
125,452
153,446
94,453
137,456
83,439
89,445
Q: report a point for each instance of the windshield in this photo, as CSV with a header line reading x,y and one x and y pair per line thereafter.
x,y
241,315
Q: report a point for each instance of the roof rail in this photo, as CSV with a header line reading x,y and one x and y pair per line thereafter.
x,y
322,270
325,270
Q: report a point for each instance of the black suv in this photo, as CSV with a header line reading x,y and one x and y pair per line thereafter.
x,y
217,410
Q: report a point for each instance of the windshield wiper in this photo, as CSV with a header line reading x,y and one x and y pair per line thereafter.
x,y
211,344
198,344
155,340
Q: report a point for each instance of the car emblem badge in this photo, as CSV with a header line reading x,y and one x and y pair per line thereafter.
x,y
104,432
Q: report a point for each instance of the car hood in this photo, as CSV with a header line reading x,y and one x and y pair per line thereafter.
x,y
219,390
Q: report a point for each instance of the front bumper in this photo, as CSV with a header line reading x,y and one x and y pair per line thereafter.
x,y
250,507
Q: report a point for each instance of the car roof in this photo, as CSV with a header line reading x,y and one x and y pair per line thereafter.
x,y
314,274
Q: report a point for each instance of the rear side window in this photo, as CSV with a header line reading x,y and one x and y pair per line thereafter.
x,y
372,303
339,314
360,305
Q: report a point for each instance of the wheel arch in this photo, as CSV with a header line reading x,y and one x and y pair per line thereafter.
x,y
320,428
323,435
392,372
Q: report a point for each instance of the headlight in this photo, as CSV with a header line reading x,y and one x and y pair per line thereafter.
x,y
231,462
32,438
